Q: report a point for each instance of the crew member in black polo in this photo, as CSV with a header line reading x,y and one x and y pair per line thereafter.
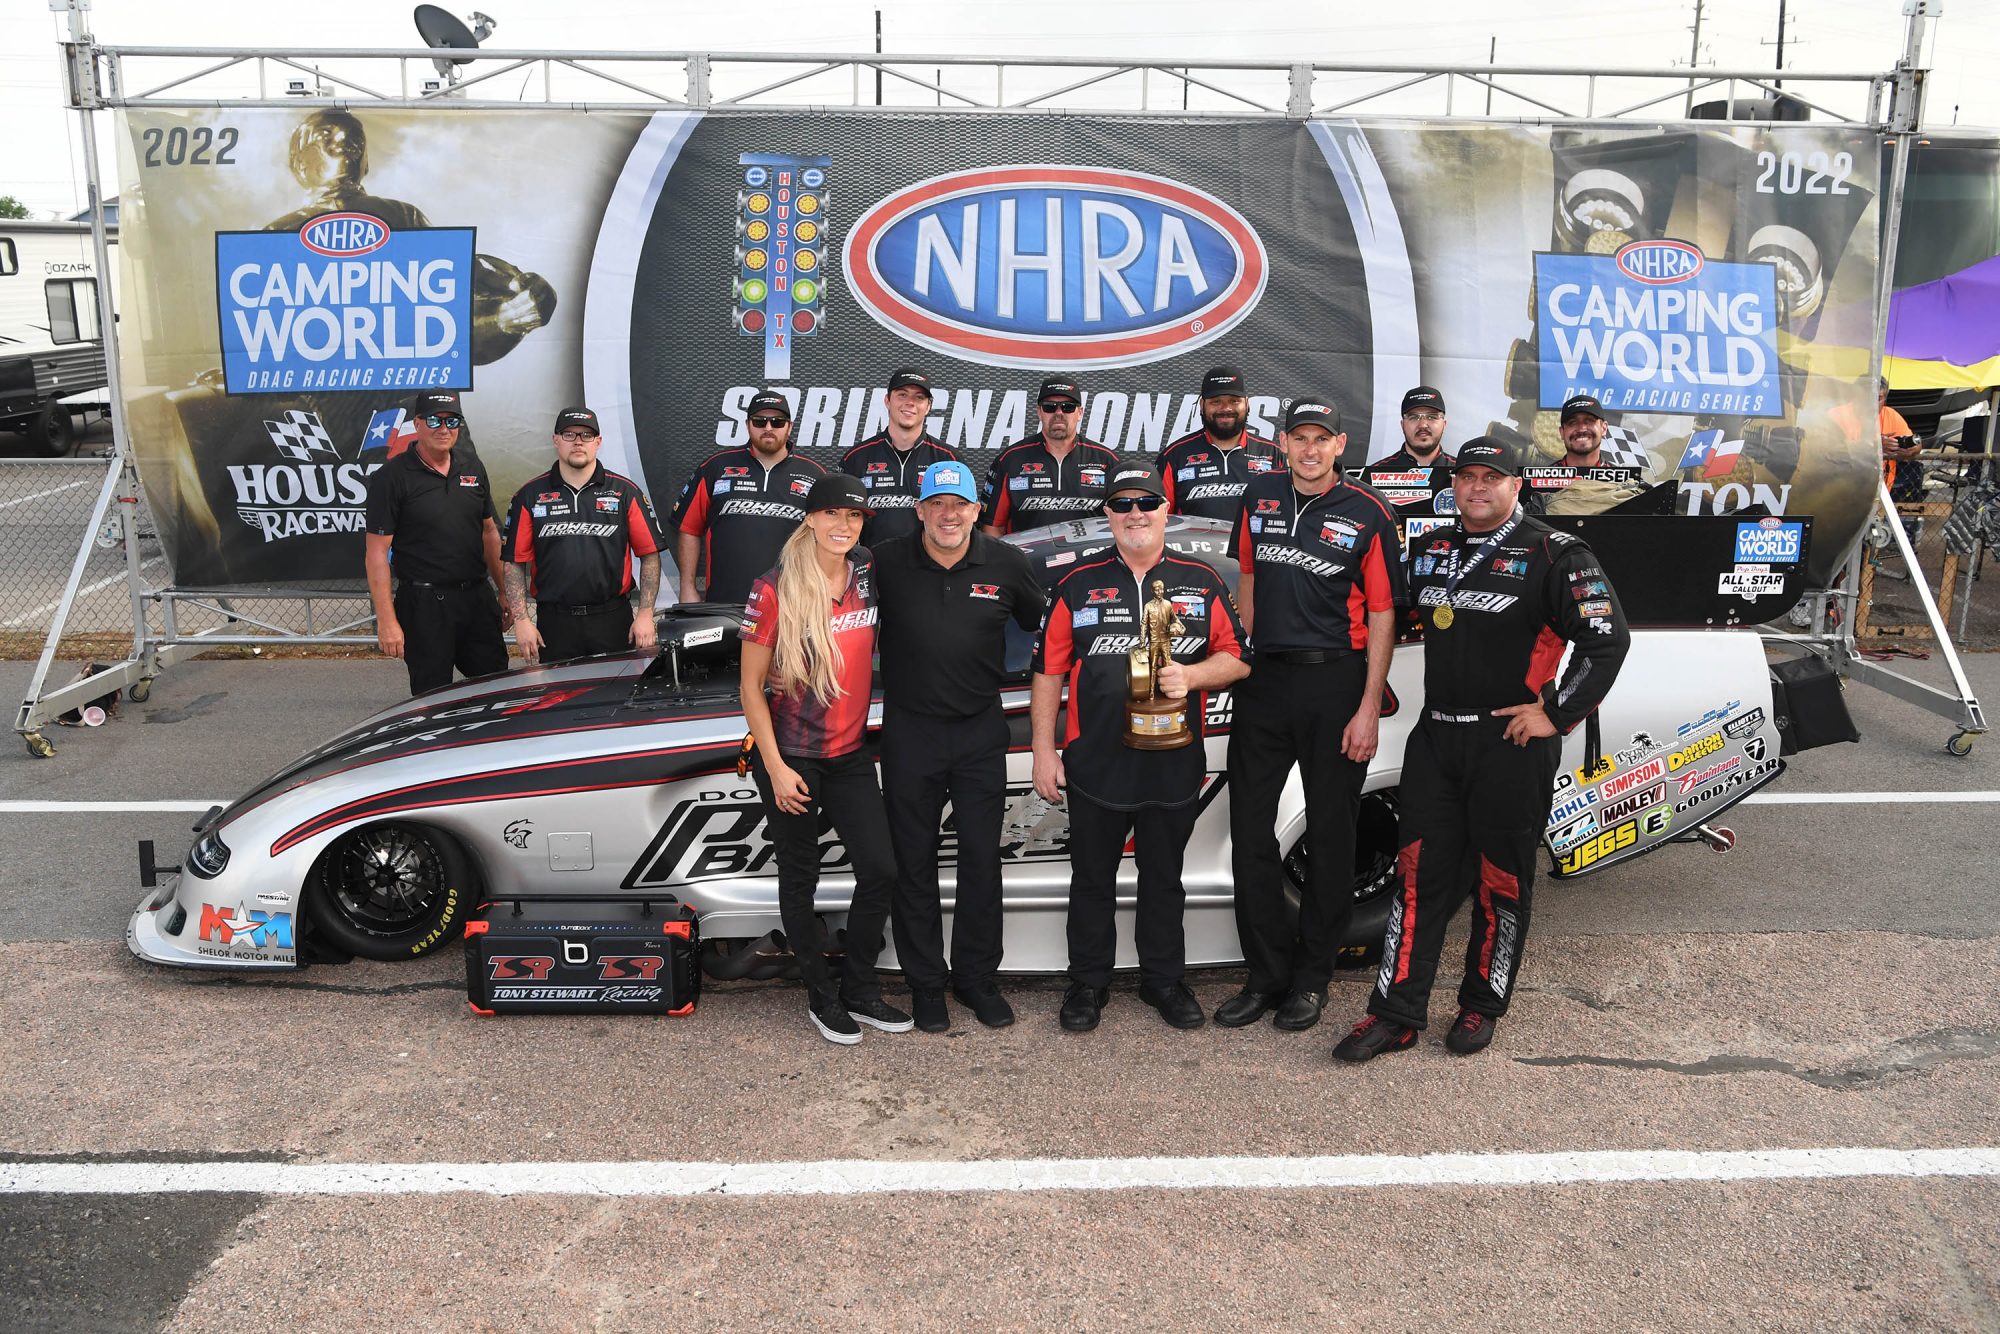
x,y
739,506
1116,792
891,465
1206,470
1052,475
1423,433
1504,597
946,594
431,521
1320,579
571,535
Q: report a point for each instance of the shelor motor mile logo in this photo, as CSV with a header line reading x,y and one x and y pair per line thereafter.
x,y
345,303
1045,265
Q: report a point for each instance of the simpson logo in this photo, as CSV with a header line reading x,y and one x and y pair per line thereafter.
x,y
345,303
1034,265
1625,782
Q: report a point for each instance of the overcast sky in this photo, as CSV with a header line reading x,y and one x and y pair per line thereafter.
x,y
41,160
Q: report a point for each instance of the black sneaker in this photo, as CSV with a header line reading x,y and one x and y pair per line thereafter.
x,y
878,1013
1373,1036
1300,1011
1176,1005
834,1023
1471,1032
1082,1006
933,1016
988,1006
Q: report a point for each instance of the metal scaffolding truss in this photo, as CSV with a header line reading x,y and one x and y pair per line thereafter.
x,y
153,76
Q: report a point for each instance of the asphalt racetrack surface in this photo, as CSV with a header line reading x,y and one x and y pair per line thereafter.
x,y
1749,1091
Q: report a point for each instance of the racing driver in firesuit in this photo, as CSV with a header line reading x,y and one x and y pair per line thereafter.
x,y
1500,594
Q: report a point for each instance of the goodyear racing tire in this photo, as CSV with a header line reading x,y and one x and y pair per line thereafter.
x,y
1374,878
390,891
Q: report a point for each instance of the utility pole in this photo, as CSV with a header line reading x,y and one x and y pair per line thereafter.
x,y
878,52
1779,82
1694,59
1492,50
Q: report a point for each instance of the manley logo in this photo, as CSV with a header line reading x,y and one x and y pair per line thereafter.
x,y
1038,266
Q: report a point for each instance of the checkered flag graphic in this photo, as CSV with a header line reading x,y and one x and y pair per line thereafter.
x,y
301,437
1621,449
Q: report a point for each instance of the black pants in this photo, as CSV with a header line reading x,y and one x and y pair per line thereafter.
x,y
925,762
1097,837
1288,713
564,637
843,790
445,628
1474,806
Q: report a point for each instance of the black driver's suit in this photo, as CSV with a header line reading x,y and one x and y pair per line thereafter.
x,y
1474,804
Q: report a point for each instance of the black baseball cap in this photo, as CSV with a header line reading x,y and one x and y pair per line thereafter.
x,y
1223,381
766,401
1580,404
837,491
1312,412
912,378
1425,398
1057,387
1484,451
1140,474
569,417
436,400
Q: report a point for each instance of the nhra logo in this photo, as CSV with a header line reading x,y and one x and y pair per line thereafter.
x,y
1040,265
1658,263
344,235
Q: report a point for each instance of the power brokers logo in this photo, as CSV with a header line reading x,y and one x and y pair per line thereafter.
x,y
1040,266
345,303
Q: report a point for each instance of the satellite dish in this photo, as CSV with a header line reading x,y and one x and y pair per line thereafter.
x,y
442,29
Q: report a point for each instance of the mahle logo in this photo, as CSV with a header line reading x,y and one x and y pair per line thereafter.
x,y
1038,266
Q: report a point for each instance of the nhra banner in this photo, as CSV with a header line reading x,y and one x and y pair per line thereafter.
x,y
292,278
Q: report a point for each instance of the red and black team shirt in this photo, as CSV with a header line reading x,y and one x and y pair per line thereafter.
x,y
1090,630
1321,563
803,725
1536,592
579,541
1207,481
892,476
1029,487
743,511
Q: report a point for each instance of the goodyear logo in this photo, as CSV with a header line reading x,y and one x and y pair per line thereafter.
x,y
1657,263
1034,266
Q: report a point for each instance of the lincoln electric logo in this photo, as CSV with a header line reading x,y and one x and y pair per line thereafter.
x,y
1038,266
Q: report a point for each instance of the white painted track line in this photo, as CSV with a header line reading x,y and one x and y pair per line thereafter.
x,y
863,1177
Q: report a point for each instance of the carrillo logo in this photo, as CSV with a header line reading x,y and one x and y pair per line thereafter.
x,y
1039,266
1657,263
342,235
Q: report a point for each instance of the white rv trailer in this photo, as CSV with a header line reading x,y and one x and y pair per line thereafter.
x,y
51,348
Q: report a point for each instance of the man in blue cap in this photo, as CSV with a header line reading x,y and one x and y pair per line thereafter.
x,y
946,594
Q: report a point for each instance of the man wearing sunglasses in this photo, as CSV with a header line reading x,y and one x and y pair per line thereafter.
x,y
891,464
1206,471
571,535
737,508
1052,475
430,514
1115,792
1320,578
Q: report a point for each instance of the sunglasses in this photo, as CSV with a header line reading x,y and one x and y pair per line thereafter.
x,y
1064,408
768,422
433,420
577,437
1126,504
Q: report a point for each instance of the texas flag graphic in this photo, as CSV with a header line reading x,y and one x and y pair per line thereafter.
x,y
390,428
1708,451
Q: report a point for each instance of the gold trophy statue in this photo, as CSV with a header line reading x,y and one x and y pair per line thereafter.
x,y
1152,721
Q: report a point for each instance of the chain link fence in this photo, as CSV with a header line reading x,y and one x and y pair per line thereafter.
x,y
1950,510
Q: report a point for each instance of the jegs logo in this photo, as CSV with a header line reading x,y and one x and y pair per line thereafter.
x,y
1056,265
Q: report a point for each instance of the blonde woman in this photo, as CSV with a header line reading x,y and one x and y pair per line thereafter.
x,y
808,650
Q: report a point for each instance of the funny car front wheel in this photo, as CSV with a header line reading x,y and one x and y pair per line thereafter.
x,y
390,891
